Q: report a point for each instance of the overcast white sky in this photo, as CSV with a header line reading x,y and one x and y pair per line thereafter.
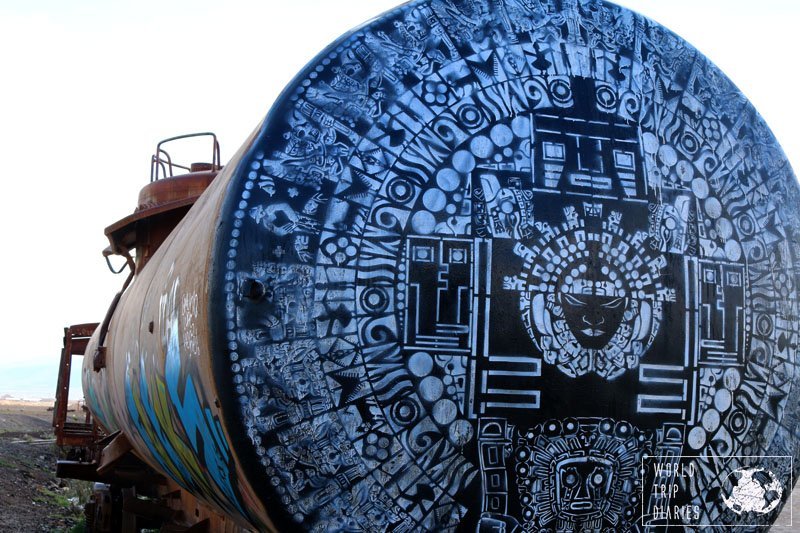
x,y
88,87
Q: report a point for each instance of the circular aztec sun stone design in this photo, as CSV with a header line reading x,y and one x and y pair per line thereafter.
x,y
485,260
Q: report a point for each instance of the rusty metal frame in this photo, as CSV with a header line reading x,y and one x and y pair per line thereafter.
x,y
76,339
113,452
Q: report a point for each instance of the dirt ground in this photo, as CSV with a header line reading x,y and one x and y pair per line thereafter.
x,y
32,499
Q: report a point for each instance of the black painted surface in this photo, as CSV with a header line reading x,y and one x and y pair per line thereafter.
x,y
492,264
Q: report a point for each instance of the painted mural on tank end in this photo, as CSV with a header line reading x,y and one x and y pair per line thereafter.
x,y
491,265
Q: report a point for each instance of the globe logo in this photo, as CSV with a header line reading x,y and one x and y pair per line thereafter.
x,y
754,490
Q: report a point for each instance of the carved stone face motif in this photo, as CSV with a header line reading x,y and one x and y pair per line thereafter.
x,y
593,309
583,485
593,304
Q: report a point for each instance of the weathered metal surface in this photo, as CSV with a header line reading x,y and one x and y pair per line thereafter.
x,y
164,202
156,386
76,339
113,453
486,266
161,196
162,205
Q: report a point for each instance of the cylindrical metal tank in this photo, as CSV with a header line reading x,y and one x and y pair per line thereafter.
x,y
157,385
485,265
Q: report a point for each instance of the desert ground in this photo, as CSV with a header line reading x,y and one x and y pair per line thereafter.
x,y
32,499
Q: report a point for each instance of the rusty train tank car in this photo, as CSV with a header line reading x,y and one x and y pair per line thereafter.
x,y
487,265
